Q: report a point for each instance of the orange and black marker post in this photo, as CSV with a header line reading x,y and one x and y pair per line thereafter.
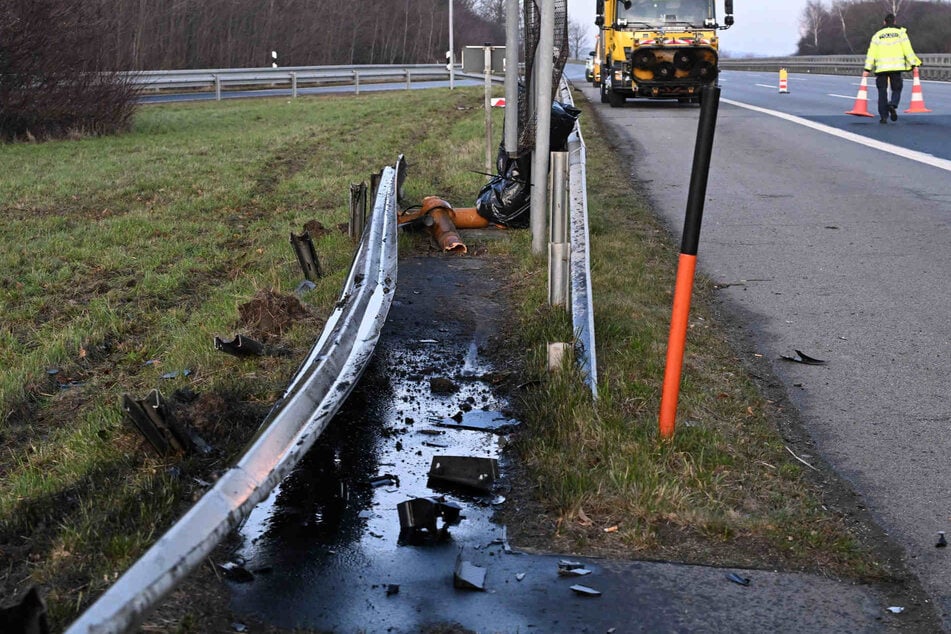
x,y
709,103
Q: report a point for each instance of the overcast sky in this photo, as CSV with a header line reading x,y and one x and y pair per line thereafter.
x,y
763,27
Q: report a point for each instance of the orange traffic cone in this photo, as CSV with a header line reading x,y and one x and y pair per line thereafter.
x,y
917,99
860,109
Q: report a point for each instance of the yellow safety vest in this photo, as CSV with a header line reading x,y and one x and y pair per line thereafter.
x,y
890,50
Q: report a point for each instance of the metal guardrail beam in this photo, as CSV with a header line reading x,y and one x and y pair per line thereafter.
x,y
291,77
935,67
582,309
316,392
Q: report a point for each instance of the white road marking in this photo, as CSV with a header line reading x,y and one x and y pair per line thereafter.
x,y
913,155
840,96
765,86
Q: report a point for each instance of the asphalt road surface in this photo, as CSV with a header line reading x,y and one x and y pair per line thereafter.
x,y
830,234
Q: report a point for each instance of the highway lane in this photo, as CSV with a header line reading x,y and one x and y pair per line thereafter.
x,y
838,247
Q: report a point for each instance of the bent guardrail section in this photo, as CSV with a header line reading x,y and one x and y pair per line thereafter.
x,y
316,392
582,310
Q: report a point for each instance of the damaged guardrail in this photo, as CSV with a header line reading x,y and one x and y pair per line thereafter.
x,y
321,384
582,310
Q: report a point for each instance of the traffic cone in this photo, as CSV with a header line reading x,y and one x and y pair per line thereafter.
x,y
860,109
783,81
917,99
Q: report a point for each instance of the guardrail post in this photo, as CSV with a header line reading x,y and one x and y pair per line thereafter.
x,y
358,209
217,88
487,70
409,80
356,82
294,85
559,249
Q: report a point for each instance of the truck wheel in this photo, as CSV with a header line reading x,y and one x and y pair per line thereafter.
x,y
604,93
616,99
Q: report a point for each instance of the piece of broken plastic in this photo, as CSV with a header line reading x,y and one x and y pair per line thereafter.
x,y
895,609
735,578
585,591
799,357
467,575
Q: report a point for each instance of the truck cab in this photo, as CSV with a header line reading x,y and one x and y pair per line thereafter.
x,y
658,49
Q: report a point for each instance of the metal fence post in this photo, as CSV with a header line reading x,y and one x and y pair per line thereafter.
x,y
409,80
358,209
356,82
294,85
487,69
217,88
559,248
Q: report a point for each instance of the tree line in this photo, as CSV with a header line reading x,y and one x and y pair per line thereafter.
x,y
844,27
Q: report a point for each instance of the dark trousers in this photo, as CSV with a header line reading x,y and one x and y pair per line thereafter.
x,y
882,82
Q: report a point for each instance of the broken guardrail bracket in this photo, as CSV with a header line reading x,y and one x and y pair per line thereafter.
x,y
153,419
466,471
239,346
420,517
307,256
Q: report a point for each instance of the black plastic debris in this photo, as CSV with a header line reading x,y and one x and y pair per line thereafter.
x,y
28,614
942,542
479,420
466,471
239,346
735,578
153,418
467,575
386,479
585,591
392,588
307,256
799,357
424,514
234,571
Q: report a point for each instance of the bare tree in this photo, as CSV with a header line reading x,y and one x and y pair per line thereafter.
x,y
813,20
577,39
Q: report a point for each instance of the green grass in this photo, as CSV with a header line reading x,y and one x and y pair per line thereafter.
x,y
121,258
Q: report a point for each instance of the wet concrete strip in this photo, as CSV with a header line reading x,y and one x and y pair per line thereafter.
x,y
326,551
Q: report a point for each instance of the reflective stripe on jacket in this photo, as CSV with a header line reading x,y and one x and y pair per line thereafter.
x,y
890,50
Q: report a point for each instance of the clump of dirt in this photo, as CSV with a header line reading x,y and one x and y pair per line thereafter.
x,y
315,229
269,314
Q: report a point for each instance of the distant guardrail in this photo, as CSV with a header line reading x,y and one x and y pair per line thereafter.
x,y
290,77
933,67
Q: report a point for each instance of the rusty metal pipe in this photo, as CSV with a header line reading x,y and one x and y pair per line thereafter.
x,y
439,222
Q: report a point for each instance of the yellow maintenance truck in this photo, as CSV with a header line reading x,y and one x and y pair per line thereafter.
x,y
658,49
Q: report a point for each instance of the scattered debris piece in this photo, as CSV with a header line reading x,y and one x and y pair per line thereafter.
x,y
153,419
365,514
467,471
895,609
737,579
304,287
942,542
564,564
174,374
498,499
799,357
384,480
479,420
234,571
573,572
442,385
519,576
437,445
428,341
800,459
392,588
239,627
423,514
239,346
585,591
468,576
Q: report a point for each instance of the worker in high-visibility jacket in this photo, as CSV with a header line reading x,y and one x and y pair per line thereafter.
x,y
889,54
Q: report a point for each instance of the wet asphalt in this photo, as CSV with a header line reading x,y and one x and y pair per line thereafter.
x,y
326,551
